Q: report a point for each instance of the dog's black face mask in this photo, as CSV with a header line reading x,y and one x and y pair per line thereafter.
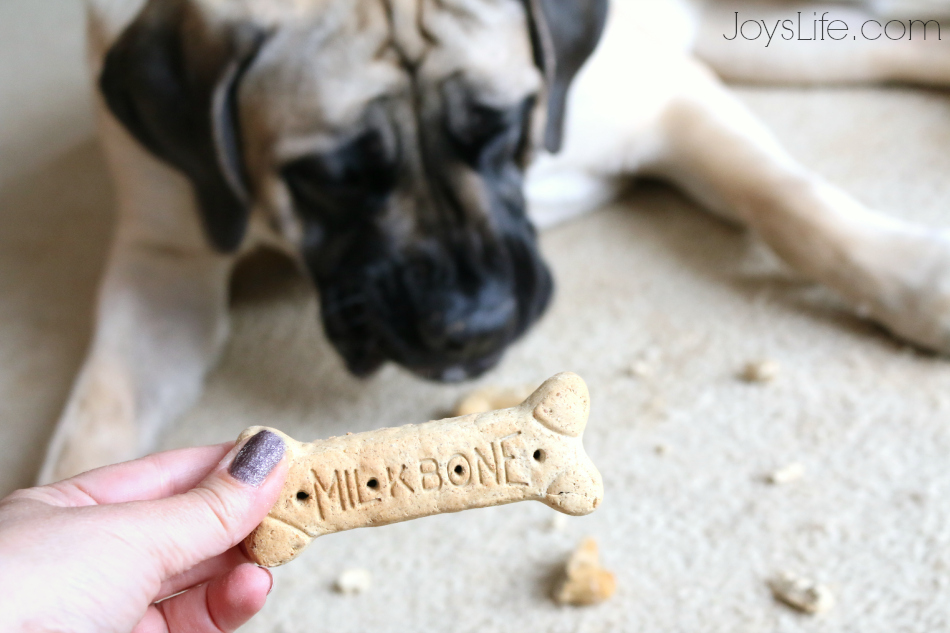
x,y
391,148
415,233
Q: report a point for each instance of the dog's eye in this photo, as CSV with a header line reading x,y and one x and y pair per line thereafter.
x,y
482,124
344,184
362,163
482,129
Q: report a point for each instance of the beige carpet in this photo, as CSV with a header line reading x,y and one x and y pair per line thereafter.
x,y
692,532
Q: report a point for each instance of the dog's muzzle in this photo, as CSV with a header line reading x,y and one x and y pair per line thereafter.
x,y
445,312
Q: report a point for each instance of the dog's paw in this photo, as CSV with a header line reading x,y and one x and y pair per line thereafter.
x,y
912,295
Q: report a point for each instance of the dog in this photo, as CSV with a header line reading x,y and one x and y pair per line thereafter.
x,y
405,152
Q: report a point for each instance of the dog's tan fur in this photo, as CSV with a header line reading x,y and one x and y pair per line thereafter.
x,y
645,103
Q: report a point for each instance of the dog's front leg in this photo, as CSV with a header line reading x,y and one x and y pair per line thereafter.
x,y
161,318
894,272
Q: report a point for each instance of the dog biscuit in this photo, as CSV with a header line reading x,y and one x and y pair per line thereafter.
x,y
533,451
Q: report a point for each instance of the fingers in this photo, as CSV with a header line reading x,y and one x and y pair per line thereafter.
x,y
203,572
221,605
218,513
154,477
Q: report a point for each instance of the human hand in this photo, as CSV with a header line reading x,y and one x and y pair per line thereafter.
x,y
97,552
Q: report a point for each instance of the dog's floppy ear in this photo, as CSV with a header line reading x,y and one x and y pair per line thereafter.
x,y
564,33
171,79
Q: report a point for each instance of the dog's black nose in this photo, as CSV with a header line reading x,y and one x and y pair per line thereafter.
x,y
445,314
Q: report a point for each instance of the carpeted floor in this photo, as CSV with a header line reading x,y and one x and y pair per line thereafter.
x,y
688,523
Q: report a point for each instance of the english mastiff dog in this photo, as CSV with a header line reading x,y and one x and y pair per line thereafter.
x,y
406,151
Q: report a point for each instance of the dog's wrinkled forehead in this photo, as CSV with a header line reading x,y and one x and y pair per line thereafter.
x,y
314,78
487,40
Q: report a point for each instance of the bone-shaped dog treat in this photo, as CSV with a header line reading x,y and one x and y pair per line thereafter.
x,y
532,451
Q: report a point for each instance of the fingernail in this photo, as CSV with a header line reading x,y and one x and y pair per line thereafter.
x,y
271,588
257,458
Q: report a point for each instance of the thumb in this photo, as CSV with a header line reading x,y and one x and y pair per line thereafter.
x,y
224,508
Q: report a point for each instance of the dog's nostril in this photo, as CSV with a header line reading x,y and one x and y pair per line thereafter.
x,y
470,325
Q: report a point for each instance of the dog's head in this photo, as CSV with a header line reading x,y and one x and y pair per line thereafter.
x,y
387,139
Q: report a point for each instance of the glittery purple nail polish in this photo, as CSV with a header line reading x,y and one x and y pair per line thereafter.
x,y
257,458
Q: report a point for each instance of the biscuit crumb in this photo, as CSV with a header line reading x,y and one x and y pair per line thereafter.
x,y
801,593
491,398
661,449
585,582
353,581
760,371
786,474
558,522
640,369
